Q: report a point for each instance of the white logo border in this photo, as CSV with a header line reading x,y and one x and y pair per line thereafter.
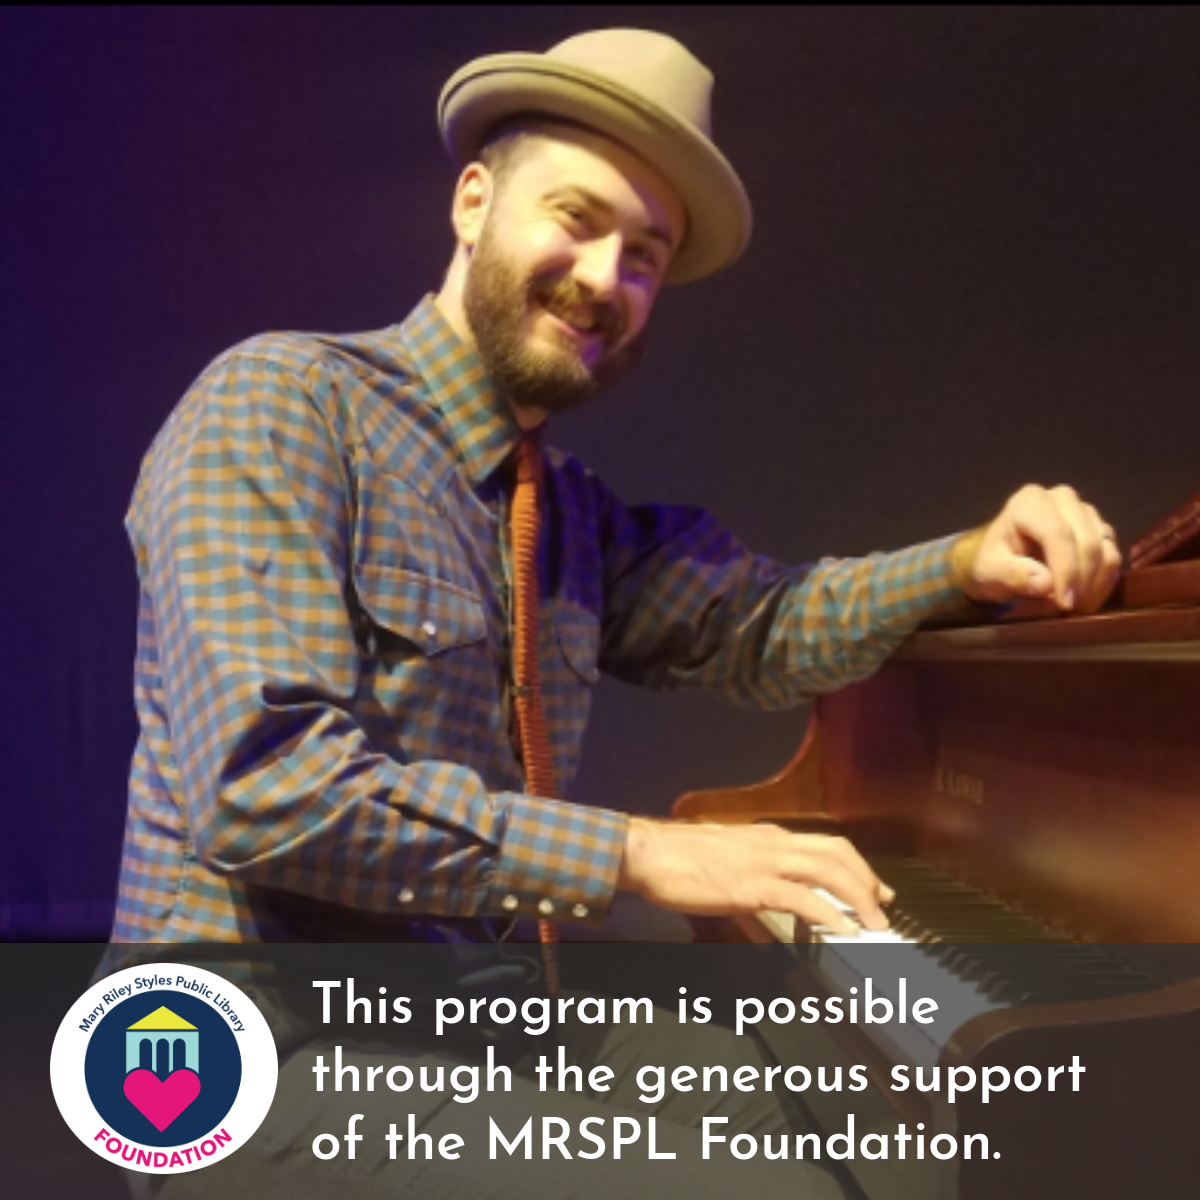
x,y
260,1067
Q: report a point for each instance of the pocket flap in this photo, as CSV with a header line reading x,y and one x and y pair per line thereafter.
x,y
430,613
579,637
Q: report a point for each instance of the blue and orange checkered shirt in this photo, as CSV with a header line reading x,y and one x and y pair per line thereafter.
x,y
323,646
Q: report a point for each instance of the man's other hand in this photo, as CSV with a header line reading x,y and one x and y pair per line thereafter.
x,y
720,870
1045,543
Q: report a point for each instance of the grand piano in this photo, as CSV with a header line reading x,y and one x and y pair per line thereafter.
x,y
1031,789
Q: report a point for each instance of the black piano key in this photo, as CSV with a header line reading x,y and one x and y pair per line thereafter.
x,y
1007,954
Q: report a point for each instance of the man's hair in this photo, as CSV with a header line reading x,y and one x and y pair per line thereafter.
x,y
513,139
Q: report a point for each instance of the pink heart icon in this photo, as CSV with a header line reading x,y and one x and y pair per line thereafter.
x,y
160,1101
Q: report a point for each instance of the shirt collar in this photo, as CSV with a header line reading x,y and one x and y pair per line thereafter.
x,y
482,425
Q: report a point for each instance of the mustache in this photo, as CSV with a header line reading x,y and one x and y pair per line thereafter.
x,y
565,295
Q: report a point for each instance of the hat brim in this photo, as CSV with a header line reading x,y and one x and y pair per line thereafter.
x,y
493,89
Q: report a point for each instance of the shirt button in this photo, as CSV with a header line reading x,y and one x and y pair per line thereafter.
x,y
509,903
580,911
546,907
407,896
429,629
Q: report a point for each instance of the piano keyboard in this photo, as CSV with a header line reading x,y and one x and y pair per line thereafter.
x,y
961,947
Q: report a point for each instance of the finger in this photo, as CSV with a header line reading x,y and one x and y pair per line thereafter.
x,y
882,892
1086,525
1008,562
1109,570
1113,560
828,872
816,858
1038,518
788,896
844,852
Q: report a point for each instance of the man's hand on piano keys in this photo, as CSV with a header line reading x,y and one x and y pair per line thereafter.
x,y
722,870
1045,543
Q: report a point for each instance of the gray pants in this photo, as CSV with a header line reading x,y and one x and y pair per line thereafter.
x,y
279,1160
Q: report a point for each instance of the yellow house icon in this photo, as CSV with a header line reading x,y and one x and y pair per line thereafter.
x,y
162,1042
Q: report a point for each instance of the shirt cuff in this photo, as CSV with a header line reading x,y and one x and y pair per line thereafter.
x,y
557,861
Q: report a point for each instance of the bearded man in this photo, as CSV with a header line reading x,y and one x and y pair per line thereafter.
x,y
332,737
374,604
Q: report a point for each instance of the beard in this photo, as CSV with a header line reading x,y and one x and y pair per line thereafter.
x,y
497,299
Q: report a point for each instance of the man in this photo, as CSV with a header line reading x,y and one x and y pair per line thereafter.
x,y
335,709
325,670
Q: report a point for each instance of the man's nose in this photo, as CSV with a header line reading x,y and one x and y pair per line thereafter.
x,y
598,266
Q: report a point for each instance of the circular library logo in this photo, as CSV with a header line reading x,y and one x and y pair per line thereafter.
x,y
164,1069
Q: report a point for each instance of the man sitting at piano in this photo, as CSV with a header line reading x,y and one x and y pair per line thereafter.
x,y
374,601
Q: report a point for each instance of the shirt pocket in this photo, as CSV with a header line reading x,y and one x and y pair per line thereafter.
x,y
578,635
427,687
396,528
568,682
431,614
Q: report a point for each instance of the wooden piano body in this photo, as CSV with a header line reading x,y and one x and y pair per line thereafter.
x,y
1055,765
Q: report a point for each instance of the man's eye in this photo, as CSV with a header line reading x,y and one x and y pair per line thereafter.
x,y
644,259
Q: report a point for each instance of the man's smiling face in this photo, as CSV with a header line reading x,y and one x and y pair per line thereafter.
x,y
573,247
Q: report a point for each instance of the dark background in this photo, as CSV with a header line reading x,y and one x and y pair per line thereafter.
x,y
975,265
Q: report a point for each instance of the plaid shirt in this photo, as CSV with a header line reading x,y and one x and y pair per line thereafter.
x,y
323,646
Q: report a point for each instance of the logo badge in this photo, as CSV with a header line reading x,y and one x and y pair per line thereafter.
x,y
164,1069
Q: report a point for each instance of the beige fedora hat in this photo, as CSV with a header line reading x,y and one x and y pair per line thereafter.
x,y
642,89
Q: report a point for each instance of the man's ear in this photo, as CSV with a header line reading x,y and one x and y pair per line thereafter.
x,y
473,197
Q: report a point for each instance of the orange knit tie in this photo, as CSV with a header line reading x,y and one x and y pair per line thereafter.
x,y
524,521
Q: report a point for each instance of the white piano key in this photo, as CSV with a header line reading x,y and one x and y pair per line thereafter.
x,y
780,925
847,960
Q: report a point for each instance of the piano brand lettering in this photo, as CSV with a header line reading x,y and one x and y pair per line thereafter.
x,y
875,1009
959,785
